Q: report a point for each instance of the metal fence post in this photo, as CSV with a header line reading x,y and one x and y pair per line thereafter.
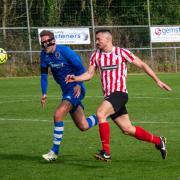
x,y
149,23
93,27
29,31
175,59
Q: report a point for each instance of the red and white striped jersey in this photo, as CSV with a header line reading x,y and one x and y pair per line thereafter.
x,y
113,68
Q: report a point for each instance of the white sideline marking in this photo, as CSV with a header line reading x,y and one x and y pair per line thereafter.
x,y
21,98
25,120
52,97
100,96
68,120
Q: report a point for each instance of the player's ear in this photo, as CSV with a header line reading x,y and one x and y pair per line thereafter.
x,y
53,41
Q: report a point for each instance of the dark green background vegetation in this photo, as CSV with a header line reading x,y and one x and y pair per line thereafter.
x,y
127,19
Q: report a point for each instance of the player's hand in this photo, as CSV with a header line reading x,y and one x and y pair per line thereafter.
x,y
43,100
163,86
70,78
77,91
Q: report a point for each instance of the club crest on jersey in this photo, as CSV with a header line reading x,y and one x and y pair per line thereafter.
x,y
57,54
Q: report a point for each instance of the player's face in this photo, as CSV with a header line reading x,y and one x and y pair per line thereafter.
x,y
102,41
48,44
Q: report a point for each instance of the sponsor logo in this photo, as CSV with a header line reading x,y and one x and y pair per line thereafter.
x,y
61,65
106,156
158,31
112,67
68,97
167,31
72,35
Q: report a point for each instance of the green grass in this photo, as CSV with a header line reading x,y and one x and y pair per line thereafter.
x,y
26,133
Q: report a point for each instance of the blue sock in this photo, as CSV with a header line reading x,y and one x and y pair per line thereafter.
x,y
92,120
57,136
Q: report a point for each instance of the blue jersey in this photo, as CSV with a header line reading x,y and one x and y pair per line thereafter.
x,y
62,62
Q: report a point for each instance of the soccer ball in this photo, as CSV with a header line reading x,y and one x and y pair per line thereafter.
x,y
3,56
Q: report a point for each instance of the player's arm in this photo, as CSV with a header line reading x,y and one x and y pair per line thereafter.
x,y
139,63
44,82
84,77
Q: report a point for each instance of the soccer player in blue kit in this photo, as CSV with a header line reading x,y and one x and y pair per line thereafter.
x,y
62,60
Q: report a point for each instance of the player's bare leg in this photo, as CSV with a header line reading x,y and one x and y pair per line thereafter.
x,y
81,121
124,123
60,113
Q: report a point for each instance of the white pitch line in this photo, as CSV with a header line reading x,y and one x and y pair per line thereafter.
x,y
21,99
139,97
25,120
68,120
13,101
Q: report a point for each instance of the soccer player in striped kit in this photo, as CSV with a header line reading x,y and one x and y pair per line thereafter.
x,y
62,60
111,62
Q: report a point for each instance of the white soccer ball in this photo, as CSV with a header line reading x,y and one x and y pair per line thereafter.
x,y
3,56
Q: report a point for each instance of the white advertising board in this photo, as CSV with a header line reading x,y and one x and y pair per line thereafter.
x,y
165,34
69,35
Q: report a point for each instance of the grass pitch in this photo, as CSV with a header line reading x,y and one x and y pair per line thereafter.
x,y
26,133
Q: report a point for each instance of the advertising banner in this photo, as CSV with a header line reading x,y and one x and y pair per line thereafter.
x,y
165,34
69,35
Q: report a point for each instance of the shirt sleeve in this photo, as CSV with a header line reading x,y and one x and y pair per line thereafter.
x,y
44,75
93,59
73,58
127,55
75,61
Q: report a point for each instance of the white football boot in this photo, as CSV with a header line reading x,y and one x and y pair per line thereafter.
x,y
50,156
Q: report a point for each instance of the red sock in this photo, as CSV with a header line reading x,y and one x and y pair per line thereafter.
x,y
104,131
143,135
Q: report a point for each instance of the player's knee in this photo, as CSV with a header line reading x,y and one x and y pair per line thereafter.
x,y
100,115
59,114
127,130
83,127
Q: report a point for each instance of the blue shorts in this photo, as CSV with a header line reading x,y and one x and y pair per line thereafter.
x,y
75,101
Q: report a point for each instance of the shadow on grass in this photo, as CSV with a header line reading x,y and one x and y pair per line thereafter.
x,y
19,157
64,160
75,161
91,162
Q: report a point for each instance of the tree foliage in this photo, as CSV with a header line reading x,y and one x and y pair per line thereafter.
x,y
78,12
74,13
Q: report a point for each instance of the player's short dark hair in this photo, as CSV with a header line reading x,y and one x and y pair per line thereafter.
x,y
103,31
47,33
